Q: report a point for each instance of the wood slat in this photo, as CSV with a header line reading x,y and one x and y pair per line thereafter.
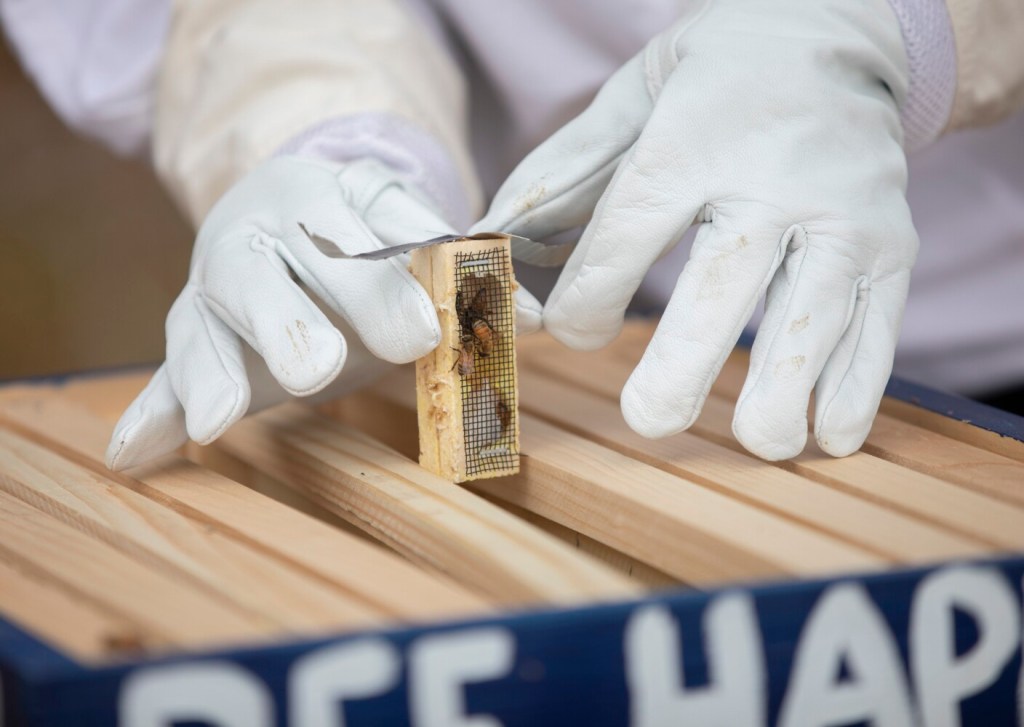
x,y
429,520
979,520
55,614
93,571
300,543
106,395
968,466
165,541
633,568
955,429
219,461
920,449
676,525
743,476
174,555
354,571
630,345
915,440
392,424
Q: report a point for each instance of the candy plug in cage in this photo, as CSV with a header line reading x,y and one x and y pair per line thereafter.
x,y
466,388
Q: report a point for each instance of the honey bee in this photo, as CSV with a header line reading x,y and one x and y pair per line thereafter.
x,y
479,303
473,321
484,335
466,360
492,415
503,413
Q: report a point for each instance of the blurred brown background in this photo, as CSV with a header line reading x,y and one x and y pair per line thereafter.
x,y
93,251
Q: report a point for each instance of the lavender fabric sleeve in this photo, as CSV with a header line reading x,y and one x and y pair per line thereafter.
x,y
931,56
416,155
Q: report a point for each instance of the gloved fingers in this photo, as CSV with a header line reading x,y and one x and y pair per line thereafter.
x,y
361,368
529,312
246,284
380,299
810,303
853,381
543,254
396,217
556,187
154,423
151,426
644,211
206,368
730,265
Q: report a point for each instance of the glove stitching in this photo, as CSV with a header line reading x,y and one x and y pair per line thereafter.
x,y
866,290
539,209
146,411
236,405
259,244
123,434
377,179
115,460
654,80
598,214
754,378
292,263
318,387
286,273
859,285
674,43
313,282
231,321
425,304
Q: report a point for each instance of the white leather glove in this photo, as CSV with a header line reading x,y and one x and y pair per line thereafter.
x,y
776,126
244,335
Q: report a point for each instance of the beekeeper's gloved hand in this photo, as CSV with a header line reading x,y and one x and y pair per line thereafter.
x,y
776,127
244,334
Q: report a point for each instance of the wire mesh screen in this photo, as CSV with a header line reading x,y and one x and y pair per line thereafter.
x,y
486,360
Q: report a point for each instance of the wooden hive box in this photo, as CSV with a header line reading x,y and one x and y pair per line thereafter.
x,y
306,570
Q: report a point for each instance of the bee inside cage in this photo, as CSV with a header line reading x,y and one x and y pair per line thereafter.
x,y
485,360
466,388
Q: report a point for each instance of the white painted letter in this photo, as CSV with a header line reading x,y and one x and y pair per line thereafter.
x,y
735,663
321,681
441,664
217,692
942,678
846,627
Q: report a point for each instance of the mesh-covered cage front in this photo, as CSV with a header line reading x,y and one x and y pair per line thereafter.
x,y
485,360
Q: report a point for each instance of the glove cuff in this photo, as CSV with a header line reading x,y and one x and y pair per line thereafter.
x,y
931,58
418,158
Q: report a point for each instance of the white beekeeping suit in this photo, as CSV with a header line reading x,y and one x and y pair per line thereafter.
x,y
211,90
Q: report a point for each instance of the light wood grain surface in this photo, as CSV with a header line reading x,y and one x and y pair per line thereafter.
x,y
301,522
